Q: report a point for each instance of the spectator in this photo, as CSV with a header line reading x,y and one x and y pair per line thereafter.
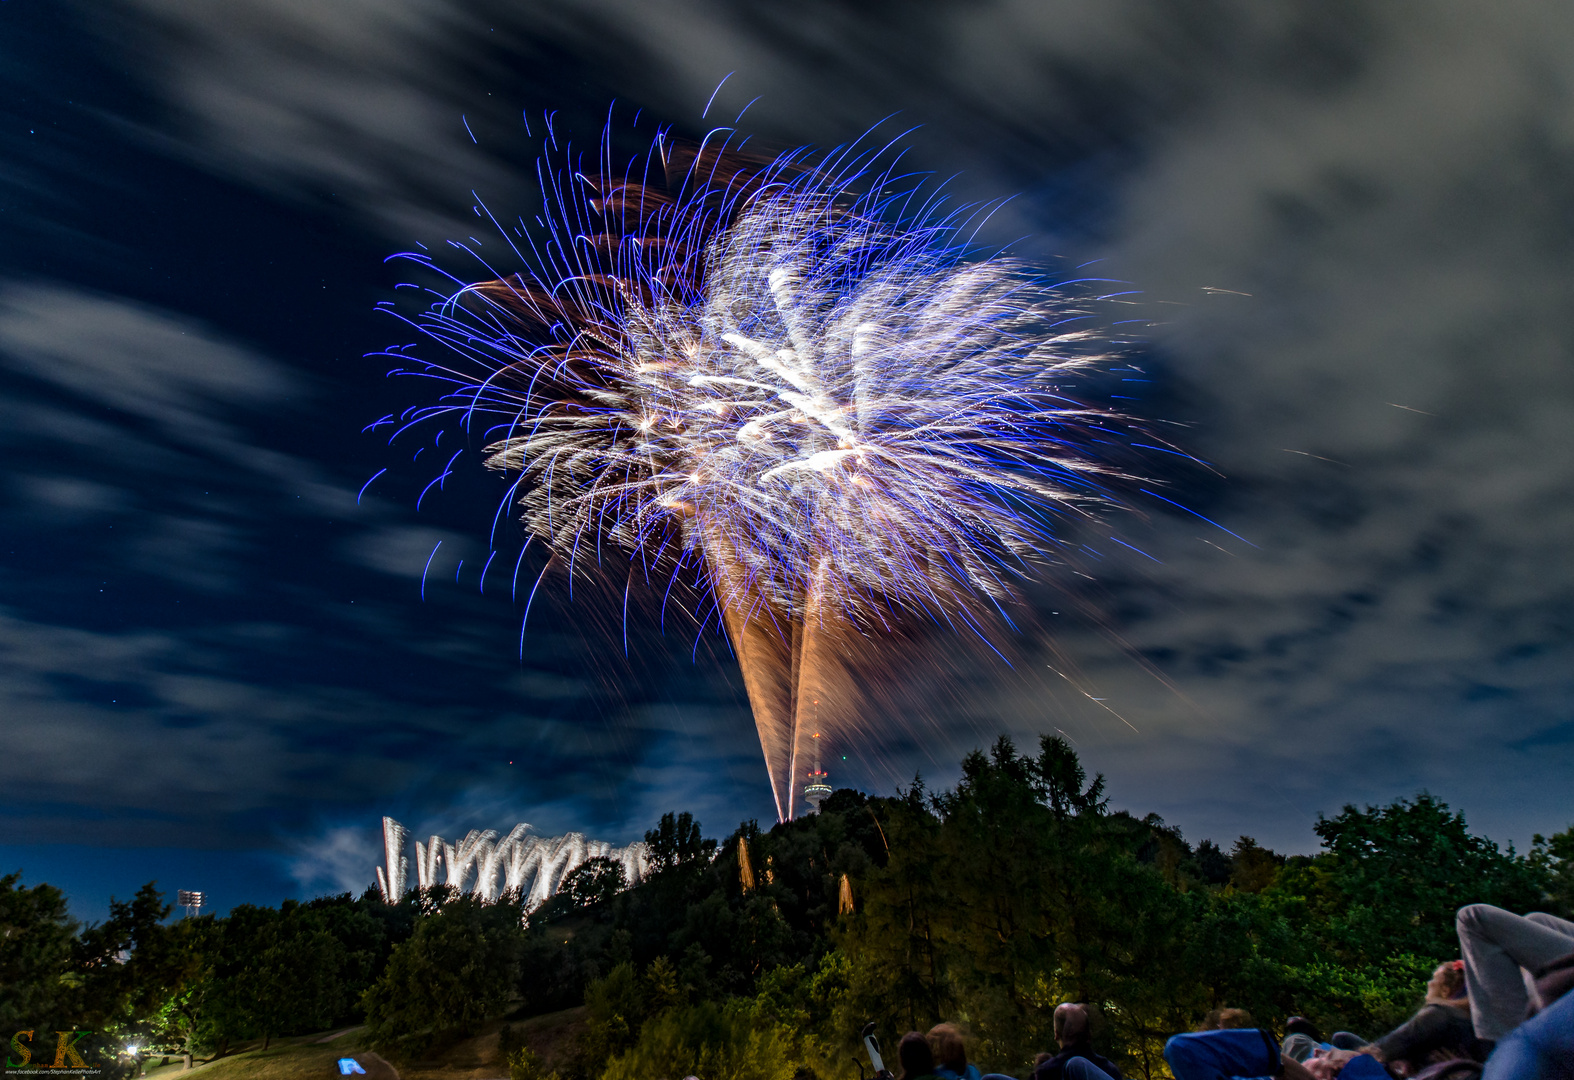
x,y
1215,1051
916,1059
1440,1030
1356,1065
1227,1020
1302,1039
945,1040
1299,1025
1498,946
1300,1046
1076,1060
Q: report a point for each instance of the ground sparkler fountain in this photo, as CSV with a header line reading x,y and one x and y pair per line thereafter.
x,y
487,866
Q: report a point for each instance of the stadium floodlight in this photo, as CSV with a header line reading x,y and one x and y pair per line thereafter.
x,y
191,900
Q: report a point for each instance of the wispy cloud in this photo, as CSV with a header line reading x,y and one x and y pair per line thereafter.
x,y
1328,210
341,859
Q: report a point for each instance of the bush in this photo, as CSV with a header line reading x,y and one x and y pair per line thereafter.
x,y
710,1040
523,1064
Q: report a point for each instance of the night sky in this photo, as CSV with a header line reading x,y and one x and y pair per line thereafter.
x,y
1349,232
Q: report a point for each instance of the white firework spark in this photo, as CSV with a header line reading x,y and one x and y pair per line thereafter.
x,y
820,396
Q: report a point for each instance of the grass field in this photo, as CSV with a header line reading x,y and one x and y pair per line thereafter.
x,y
309,1057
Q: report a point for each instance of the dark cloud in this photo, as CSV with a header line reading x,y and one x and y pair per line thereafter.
x,y
1349,227
165,687
1401,239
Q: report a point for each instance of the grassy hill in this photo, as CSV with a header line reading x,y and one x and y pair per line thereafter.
x,y
312,1057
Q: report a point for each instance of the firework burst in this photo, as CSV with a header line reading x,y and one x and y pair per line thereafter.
x,y
792,374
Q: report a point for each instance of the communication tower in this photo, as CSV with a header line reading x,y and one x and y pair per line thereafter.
x,y
817,785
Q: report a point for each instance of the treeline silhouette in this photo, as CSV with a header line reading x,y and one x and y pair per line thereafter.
x,y
759,957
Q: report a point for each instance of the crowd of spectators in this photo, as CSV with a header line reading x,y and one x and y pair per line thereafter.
x,y
1501,1012
1504,1011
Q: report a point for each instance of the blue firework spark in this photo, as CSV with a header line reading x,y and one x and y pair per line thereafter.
x,y
792,368
797,374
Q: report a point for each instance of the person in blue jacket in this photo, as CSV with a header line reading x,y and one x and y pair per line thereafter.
x,y
1250,1053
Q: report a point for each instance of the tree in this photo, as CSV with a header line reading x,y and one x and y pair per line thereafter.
x,y
35,950
297,976
260,972
1390,878
1555,854
1012,893
594,881
454,973
138,973
363,930
616,1007
226,1003
891,941
1253,868
1020,889
808,1006
1213,866
677,840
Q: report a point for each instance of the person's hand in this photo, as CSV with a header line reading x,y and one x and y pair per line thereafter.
x,y
1326,1064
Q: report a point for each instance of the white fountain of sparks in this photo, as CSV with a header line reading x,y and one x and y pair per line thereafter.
x,y
487,866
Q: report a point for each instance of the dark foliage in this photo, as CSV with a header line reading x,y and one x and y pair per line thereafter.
x,y
1390,878
35,952
455,972
764,953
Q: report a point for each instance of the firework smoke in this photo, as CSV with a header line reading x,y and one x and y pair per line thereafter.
x,y
795,377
